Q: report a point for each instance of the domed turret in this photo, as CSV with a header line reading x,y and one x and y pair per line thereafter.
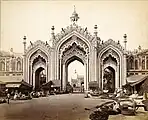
x,y
74,18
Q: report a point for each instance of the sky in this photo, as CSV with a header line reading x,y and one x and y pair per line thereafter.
x,y
34,19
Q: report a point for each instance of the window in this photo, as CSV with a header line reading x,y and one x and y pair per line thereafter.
x,y
2,66
136,73
13,64
18,66
147,64
143,64
136,64
7,66
131,65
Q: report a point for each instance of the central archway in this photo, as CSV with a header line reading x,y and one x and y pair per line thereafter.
x,y
76,79
71,53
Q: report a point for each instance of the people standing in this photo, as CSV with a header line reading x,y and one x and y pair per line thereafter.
x,y
8,97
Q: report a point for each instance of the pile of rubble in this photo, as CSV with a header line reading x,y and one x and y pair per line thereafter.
x,y
120,104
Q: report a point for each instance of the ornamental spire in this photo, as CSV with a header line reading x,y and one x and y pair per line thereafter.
x,y
74,18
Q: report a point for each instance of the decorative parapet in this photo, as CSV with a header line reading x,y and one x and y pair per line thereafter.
x,y
70,29
111,42
38,43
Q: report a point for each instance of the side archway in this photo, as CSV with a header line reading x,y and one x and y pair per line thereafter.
x,y
111,57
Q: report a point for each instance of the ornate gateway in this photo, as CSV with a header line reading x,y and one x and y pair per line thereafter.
x,y
75,43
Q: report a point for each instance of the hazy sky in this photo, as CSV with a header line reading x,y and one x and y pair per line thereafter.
x,y
35,18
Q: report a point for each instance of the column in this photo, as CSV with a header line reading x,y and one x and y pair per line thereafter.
x,y
30,73
24,68
102,70
117,77
85,76
124,79
87,73
95,65
64,80
145,62
47,78
60,75
33,79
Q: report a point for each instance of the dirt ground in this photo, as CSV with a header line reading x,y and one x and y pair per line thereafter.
x,y
57,107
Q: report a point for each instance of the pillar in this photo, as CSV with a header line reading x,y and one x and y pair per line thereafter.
x,y
95,64
64,77
117,74
102,70
85,77
47,71
124,80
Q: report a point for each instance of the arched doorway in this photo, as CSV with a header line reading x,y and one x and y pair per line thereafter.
x,y
110,71
109,79
40,78
70,54
39,72
75,73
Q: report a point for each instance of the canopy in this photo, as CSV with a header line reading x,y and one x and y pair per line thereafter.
x,y
13,85
2,83
52,83
136,79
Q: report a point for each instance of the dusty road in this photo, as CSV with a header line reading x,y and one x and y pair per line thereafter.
x,y
59,107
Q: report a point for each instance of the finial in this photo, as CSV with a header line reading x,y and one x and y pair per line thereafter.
x,y
125,36
52,32
24,40
139,48
11,50
52,28
75,71
74,8
95,30
74,18
125,41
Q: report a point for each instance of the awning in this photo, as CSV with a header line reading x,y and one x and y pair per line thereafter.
x,y
2,83
136,79
13,85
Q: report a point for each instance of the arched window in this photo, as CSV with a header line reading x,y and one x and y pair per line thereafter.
x,y
131,65
136,64
147,64
143,64
7,66
2,66
18,66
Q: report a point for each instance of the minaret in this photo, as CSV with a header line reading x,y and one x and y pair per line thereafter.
x,y
125,41
74,18
24,42
52,35
52,32
139,48
24,59
96,34
96,30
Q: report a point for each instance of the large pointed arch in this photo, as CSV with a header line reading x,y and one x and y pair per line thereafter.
x,y
112,49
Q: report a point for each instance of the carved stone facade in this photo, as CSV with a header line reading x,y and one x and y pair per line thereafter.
x,y
76,43
11,63
137,61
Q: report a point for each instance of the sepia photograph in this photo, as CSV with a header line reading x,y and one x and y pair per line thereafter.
x,y
73,60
